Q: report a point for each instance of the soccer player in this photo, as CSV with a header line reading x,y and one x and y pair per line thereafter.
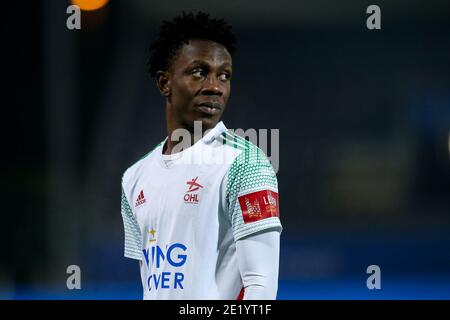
x,y
203,221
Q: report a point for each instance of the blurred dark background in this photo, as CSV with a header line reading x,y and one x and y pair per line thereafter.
x,y
364,120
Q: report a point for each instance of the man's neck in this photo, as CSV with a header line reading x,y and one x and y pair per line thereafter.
x,y
180,137
180,143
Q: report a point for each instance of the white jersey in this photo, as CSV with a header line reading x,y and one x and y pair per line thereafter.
x,y
183,214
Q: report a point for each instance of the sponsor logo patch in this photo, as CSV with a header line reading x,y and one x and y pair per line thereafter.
x,y
259,205
140,199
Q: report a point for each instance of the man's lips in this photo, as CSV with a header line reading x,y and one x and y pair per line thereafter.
x,y
210,108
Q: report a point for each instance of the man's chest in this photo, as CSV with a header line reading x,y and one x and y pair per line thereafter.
x,y
182,195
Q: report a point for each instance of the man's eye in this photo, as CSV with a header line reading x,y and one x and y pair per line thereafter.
x,y
198,73
224,77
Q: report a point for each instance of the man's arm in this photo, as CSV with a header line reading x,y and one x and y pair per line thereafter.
x,y
133,238
258,259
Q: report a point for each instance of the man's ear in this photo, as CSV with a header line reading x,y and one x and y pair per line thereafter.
x,y
163,82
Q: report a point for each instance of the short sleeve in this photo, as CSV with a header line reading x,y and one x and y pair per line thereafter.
x,y
252,193
133,238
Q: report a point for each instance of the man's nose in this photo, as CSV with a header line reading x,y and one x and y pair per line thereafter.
x,y
212,86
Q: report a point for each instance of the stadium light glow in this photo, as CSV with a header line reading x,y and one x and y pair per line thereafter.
x,y
90,5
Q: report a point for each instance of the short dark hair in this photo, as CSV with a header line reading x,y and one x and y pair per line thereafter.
x,y
173,34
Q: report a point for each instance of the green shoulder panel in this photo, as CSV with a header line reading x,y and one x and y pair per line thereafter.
x,y
250,170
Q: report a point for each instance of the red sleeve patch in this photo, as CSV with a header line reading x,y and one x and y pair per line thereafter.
x,y
259,205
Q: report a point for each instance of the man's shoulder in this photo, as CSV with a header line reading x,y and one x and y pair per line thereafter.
x,y
134,169
251,170
232,140
248,153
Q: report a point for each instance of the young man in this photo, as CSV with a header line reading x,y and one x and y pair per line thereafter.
x,y
203,221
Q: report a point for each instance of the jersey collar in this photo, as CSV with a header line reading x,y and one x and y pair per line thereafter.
x,y
214,133
167,161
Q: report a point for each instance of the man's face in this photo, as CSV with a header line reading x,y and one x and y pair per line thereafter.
x,y
199,84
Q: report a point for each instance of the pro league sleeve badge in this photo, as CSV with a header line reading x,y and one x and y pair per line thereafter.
x,y
259,205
